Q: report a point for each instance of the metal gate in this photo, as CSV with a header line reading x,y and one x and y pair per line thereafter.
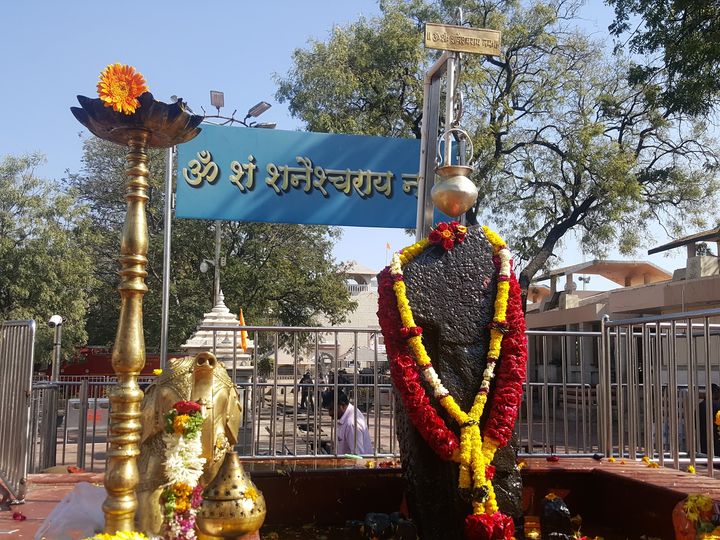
x,y
17,344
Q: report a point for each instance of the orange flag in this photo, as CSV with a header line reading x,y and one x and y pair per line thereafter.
x,y
243,333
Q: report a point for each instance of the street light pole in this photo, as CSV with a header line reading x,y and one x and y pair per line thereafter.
x,y
49,458
167,224
216,281
55,323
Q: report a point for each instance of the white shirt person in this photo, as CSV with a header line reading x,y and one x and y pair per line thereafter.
x,y
351,435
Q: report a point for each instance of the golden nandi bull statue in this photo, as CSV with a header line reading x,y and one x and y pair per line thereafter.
x,y
201,379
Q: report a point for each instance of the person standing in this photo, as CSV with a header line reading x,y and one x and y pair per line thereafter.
x,y
351,434
306,395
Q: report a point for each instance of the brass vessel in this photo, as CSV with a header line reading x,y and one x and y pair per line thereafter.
x,y
454,193
232,506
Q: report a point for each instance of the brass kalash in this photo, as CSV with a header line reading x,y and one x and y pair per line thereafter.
x,y
159,125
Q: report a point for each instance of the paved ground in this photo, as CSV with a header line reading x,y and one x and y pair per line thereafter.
x,y
44,492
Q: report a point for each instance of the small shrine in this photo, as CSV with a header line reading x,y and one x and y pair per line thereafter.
x,y
226,345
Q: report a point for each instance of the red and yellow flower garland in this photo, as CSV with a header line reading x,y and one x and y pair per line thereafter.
x,y
507,351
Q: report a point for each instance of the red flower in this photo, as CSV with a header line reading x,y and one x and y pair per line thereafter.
x,y
489,472
510,373
187,407
447,235
412,331
487,527
19,516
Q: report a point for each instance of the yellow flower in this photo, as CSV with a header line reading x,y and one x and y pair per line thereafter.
x,y
521,465
251,493
120,535
120,86
717,418
611,459
697,506
691,469
653,465
645,459
182,489
179,423
182,505
157,371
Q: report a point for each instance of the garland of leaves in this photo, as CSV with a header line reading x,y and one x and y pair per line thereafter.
x,y
507,351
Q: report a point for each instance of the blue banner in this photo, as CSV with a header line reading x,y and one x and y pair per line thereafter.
x,y
247,174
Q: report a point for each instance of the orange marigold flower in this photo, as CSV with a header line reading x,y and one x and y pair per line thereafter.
x,y
182,505
182,489
179,423
120,86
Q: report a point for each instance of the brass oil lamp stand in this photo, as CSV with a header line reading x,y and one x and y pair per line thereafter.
x,y
153,125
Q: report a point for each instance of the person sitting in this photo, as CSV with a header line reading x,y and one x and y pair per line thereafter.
x,y
351,435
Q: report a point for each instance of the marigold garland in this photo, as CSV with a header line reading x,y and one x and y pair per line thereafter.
x,y
120,535
182,495
507,352
120,86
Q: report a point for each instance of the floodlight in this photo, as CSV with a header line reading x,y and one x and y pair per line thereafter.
x,y
257,110
217,99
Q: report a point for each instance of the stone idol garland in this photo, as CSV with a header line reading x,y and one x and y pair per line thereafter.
x,y
507,353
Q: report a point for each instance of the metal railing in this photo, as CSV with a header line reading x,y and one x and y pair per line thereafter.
x,y
631,389
559,411
17,340
655,374
283,417
78,435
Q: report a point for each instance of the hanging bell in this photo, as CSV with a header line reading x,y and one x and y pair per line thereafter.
x,y
453,193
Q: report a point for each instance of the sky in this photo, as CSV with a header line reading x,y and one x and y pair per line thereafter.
x,y
52,51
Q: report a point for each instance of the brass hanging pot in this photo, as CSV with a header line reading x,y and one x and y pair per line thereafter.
x,y
454,193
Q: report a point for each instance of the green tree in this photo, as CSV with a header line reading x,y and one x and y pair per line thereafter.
x,y
681,41
280,274
44,267
363,80
563,140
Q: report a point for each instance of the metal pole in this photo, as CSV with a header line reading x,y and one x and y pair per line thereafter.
x,y
449,103
428,145
56,353
216,282
51,403
167,226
